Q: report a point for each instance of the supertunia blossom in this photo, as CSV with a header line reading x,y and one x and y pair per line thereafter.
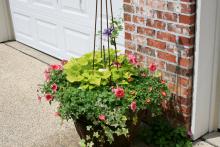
x,y
48,97
132,59
133,106
102,117
164,93
152,67
119,92
56,67
54,87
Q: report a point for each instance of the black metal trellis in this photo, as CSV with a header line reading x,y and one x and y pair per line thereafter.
x,y
102,47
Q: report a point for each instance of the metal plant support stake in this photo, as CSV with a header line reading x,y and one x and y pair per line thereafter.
x,y
103,53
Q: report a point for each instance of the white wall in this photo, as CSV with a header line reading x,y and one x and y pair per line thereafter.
x,y
6,29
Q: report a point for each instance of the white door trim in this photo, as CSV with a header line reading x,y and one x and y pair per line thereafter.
x,y
205,73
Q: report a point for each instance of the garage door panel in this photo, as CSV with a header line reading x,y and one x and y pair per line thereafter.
x,y
76,6
47,33
76,42
51,4
23,25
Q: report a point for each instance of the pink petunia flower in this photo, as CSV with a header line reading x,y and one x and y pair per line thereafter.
x,y
119,92
57,114
56,67
163,82
54,87
47,75
39,98
48,97
133,106
152,67
132,59
102,117
164,93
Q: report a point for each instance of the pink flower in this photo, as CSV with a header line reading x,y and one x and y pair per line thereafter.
x,y
47,75
152,67
57,114
119,92
56,67
132,59
54,87
164,93
63,62
48,97
39,98
133,106
163,82
102,117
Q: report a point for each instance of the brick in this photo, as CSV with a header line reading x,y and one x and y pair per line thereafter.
x,y
156,43
167,16
138,20
188,8
127,1
128,36
127,17
185,82
157,4
186,62
145,31
129,27
141,39
186,41
179,90
179,70
181,29
156,24
187,19
174,7
129,45
128,8
166,56
166,36
146,50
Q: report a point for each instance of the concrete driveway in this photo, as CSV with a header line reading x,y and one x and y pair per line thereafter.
x,y
24,122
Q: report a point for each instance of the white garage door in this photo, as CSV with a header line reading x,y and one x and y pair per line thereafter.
x,y
61,28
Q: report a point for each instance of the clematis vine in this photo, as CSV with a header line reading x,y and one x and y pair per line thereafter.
x,y
108,32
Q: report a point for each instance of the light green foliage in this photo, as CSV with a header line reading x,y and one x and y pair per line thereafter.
x,y
80,70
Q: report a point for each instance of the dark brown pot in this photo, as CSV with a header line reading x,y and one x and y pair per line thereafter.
x,y
119,141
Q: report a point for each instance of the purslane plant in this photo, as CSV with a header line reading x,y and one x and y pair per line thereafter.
x,y
105,96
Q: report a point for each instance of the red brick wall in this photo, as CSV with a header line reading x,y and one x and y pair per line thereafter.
x,y
162,31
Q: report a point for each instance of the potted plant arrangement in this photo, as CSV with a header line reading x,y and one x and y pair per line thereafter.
x,y
105,102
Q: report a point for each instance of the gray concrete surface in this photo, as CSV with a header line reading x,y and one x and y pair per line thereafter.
x,y
213,138
24,122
